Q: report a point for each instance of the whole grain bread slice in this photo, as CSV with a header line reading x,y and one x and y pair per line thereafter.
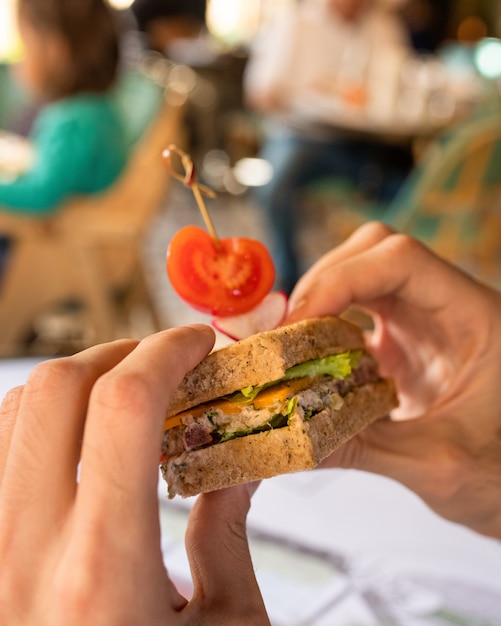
x,y
296,447
263,358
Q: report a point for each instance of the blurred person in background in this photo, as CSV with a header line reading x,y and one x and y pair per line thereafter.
x,y
169,24
428,23
332,47
71,59
177,29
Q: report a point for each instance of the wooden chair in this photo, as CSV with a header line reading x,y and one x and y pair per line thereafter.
x,y
452,200
91,251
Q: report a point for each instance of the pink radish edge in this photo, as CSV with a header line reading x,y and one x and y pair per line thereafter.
x,y
267,315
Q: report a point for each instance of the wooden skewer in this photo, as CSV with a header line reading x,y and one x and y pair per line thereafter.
x,y
188,178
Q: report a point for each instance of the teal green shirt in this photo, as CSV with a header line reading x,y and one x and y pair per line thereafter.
x,y
80,149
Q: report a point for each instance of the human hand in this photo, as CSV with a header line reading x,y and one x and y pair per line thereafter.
x,y
437,332
88,552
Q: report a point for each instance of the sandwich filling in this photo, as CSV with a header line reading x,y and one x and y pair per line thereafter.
x,y
306,390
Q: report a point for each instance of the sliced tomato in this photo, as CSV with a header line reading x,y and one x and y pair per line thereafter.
x,y
227,280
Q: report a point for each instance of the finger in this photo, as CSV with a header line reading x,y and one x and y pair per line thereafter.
x,y
364,238
381,448
418,454
44,444
220,559
397,267
122,439
40,474
8,414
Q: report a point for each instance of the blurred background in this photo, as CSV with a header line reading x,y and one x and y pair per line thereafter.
x,y
307,118
193,69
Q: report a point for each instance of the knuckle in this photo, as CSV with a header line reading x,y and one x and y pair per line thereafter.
x,y
79,594
122,392
54,375
71,604
404,245
377,230
236,531
226,608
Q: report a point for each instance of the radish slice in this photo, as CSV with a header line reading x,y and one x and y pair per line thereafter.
x,y
267,315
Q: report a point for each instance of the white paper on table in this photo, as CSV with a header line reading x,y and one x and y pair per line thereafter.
x,y
348,548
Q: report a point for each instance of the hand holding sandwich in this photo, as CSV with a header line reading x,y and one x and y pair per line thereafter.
x,y
438,335
89,551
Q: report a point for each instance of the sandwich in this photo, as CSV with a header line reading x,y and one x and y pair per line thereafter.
x,y
276,402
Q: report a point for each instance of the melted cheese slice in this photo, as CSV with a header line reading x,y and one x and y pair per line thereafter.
x,y
277,393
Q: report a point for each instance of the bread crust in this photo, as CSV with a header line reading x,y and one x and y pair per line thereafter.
x,y
297,447
264,357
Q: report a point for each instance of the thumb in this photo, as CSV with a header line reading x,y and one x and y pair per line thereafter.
x,y
220,560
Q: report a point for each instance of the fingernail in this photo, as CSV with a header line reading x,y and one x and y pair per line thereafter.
x,y
295,306
201,328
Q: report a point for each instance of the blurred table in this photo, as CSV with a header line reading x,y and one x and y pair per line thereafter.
x,y
14,372
407,98
347,548
375,121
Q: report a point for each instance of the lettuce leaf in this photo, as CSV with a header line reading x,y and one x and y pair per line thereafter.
x,y
336,365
